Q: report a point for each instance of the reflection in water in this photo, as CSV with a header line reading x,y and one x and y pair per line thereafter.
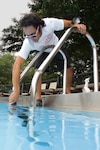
x,y
48,129
97,137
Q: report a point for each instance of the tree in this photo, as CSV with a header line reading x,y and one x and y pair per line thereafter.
x,y
6,62
12,38
77,44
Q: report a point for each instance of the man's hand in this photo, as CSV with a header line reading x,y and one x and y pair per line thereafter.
x,y
13,97
81,28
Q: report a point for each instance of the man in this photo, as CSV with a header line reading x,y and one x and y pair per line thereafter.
x,y
39,33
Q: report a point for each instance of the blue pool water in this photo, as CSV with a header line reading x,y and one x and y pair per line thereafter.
x,y
24,128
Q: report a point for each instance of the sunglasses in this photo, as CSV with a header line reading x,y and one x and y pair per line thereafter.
x,y
33,35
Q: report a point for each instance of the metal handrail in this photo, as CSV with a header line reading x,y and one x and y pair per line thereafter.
x,y
95,62
46,62
37,56
33,61
52,54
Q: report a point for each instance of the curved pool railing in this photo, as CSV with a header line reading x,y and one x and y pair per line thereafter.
x,y
52,54
33,61
95,62
28,67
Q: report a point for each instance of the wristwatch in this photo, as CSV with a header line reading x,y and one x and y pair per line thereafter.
x,y
76,20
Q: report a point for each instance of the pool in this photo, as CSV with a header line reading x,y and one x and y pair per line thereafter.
x,y
25,128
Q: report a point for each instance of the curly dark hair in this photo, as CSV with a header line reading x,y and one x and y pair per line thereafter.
x,y
31,19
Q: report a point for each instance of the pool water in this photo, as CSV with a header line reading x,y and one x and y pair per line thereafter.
x,y
24,128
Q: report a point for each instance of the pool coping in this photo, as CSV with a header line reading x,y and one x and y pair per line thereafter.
x,y
76,101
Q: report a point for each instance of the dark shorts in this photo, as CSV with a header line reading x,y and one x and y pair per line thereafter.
x,y
57,62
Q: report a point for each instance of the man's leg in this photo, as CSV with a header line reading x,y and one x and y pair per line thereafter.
x,y
69,79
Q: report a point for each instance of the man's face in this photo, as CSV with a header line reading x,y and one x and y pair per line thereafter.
x,y
32,33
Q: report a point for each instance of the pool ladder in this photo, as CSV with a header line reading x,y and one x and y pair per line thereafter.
x,y
51,56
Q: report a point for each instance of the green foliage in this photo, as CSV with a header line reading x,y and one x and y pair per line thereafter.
x,y
29,75
6,62
12,38
88,11
77,45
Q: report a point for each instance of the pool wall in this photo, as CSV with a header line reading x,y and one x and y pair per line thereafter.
x,y
76,101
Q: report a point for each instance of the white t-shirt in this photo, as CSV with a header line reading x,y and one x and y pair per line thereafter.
x,y
48,37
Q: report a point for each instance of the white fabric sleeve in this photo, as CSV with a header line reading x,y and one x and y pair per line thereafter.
x,y
25,49
55,24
